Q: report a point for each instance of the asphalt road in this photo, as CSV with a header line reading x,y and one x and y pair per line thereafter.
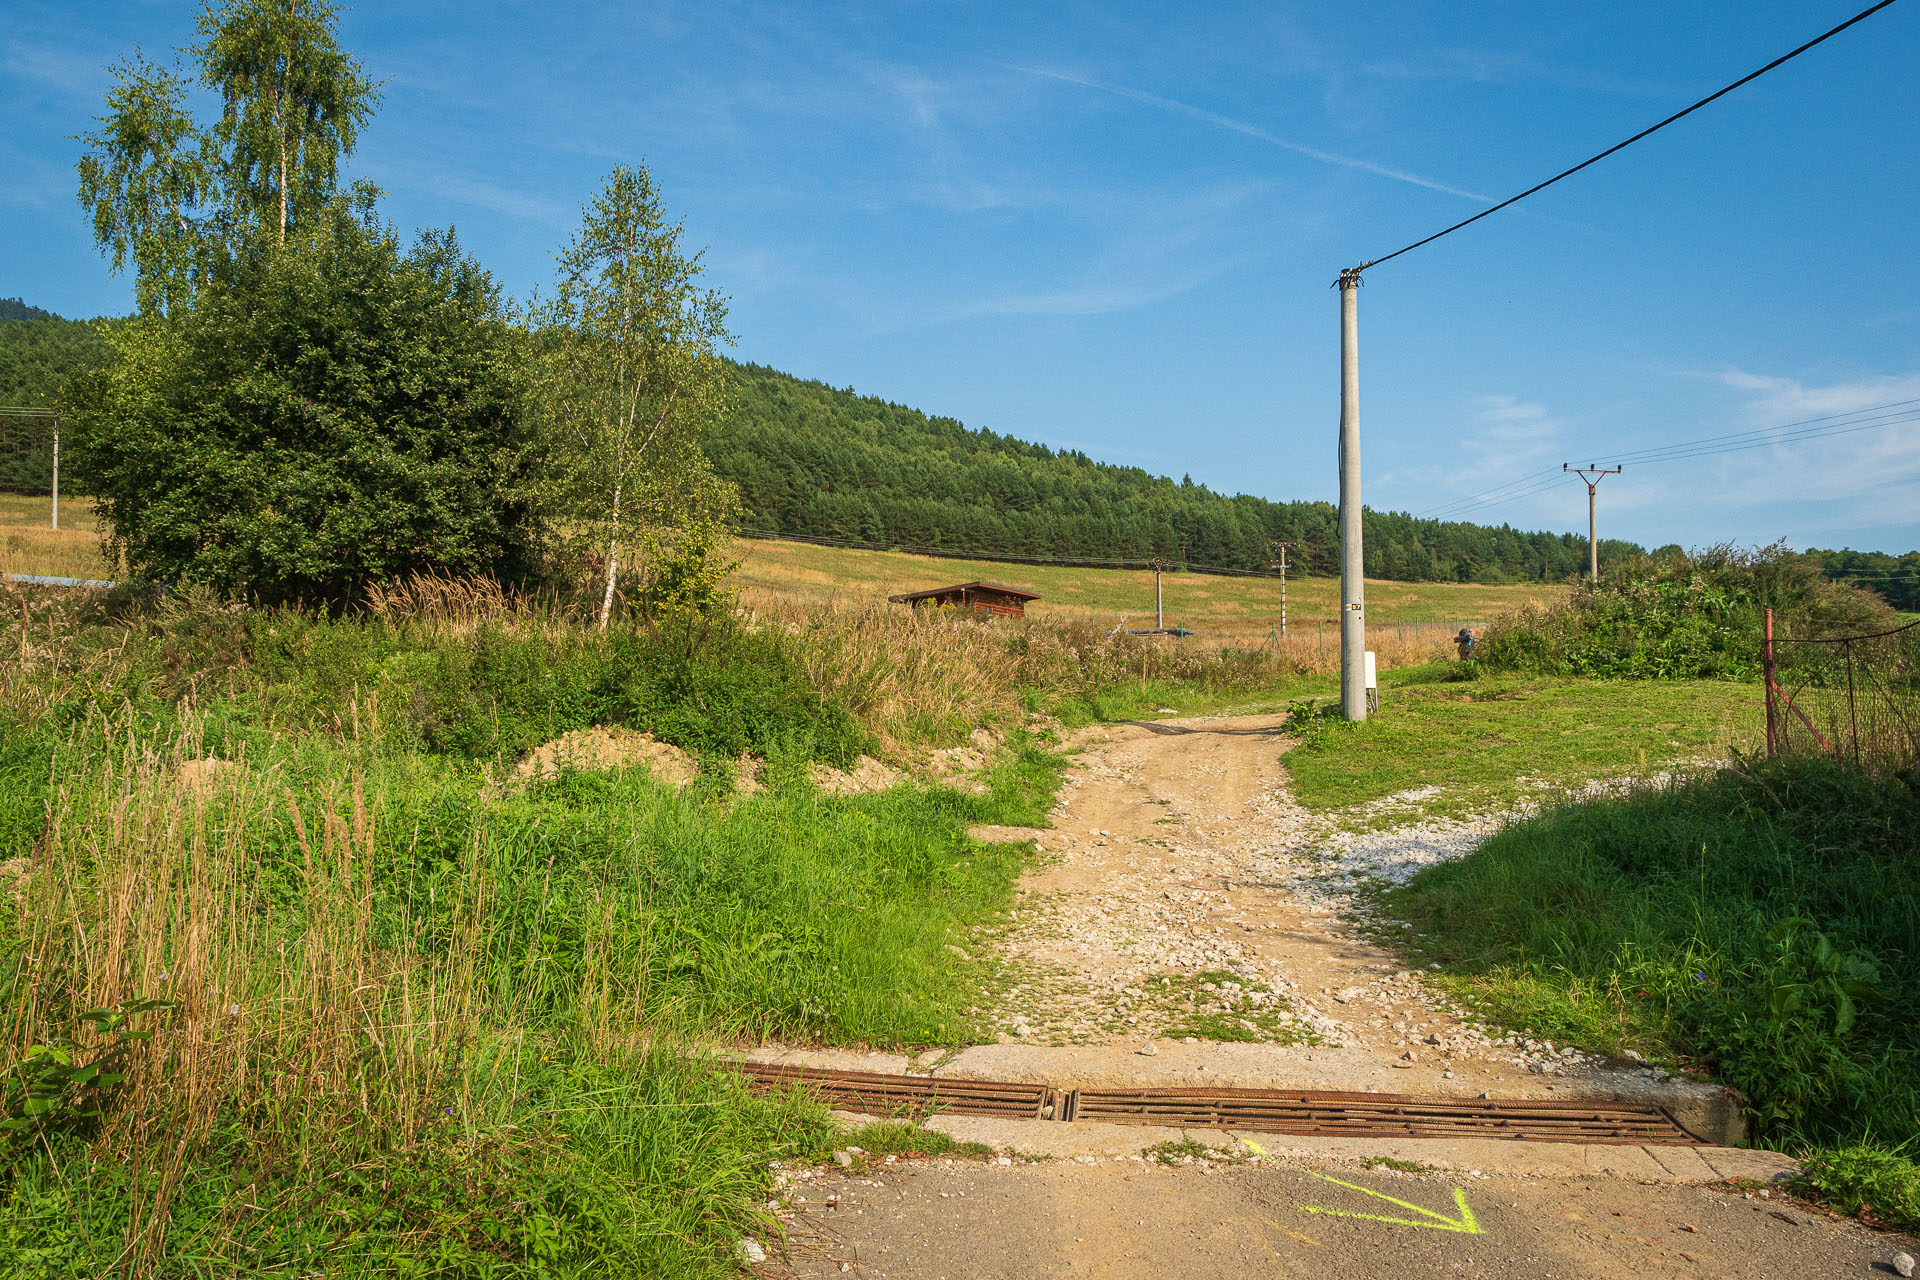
x,y
972,1221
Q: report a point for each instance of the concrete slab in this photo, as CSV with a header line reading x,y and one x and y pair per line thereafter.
x,y
1690,1166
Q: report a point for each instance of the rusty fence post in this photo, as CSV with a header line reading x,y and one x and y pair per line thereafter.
x,y
1766,671
1853,718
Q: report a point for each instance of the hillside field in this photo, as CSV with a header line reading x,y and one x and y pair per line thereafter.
x,y
1221,610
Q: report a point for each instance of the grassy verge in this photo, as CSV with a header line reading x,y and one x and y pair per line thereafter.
x,y
293,982
1488,741
1759,923
397,1023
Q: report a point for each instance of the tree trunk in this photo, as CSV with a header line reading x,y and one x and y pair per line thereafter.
x,y
280,122
613,560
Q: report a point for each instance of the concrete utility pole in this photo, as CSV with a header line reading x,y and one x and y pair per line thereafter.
x,y
1281,547
1591,474
1158,566
1353,589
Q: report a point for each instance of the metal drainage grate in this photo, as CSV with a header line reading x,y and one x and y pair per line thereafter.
x,y
886,1095
1381,1115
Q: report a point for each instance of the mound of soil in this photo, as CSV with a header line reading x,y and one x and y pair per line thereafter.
x,y
867,775
608,747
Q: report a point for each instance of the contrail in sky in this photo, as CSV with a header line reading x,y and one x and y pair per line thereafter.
x,y
1255,131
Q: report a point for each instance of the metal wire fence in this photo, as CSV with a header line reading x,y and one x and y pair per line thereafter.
x,y
28,449
1853,698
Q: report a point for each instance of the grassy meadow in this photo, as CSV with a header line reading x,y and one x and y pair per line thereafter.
x,y
1756,922
1222,611
29,544
1485,742
298,974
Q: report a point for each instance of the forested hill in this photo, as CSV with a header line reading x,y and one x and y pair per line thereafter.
x,y
39,351
820,462
1895,577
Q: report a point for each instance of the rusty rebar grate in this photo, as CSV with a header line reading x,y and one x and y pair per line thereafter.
x,y
1329,1114
1280,1111
879,1094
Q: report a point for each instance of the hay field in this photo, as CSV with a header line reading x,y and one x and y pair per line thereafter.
x,y
29,545
1223,610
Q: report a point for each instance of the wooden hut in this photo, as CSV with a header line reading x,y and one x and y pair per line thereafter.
x,y
995,599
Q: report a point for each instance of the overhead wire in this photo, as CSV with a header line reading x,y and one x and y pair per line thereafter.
x,y
1870,417
1751,76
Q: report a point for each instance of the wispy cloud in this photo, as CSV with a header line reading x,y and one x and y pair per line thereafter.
x,y
1775,400
1488,66
1501,440
474,192
1856,480
1255,131
65,69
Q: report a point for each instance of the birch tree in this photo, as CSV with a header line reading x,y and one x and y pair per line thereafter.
x,y
292,105
174,198
635,339
145,180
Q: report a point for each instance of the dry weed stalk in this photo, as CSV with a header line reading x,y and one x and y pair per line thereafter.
x,y
302,1013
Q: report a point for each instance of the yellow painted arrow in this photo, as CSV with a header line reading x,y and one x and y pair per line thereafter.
x,y
1464,1224
1440,1222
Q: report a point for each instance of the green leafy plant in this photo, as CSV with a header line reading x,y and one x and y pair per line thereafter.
x,y
65,1085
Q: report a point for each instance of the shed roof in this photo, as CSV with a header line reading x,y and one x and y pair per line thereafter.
x,y
931,592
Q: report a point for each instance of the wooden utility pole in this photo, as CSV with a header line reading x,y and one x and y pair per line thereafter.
x,y
1159,566
1281,547
1591,474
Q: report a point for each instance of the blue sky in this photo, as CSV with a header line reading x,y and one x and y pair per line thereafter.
x,y
1113,227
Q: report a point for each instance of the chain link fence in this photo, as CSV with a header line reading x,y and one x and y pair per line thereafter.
x,y
1853,698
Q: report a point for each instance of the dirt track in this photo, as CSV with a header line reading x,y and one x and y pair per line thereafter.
x,y
1183,889
1177,858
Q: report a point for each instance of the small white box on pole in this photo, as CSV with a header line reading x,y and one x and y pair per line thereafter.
x,y
1370,683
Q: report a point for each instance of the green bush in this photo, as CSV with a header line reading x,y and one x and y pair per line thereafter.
x,y
1763,920
330,415
489,690
739,691
1865,1180
1678,617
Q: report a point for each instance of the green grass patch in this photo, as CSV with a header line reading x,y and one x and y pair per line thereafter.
x,y
1759,922
897,1138
418,1023
652,1169
1496,739
1867,1181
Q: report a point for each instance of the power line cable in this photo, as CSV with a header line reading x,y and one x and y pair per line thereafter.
x,y
1757,431
1862,16
1893,413
1784,437
1487,493
1494,497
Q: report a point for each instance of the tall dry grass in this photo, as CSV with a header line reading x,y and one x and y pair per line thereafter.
x,y
916,674
292,1008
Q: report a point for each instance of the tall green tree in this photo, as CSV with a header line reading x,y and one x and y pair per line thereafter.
x,y
292,106
145,180
172,197
341,412
636,372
